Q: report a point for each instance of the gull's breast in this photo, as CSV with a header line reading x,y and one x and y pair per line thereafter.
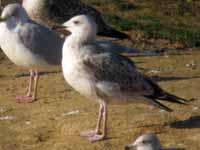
x,y
75,74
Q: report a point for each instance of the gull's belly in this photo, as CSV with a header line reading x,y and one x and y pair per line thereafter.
x,y
18,53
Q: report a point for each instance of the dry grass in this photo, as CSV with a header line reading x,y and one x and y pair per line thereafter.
x,y
41,125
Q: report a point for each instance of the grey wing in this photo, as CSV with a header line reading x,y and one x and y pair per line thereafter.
x,y
115,47
117,69
117,75
43,42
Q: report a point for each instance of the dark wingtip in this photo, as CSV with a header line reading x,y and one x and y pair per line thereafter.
x,y
113,33
160,94
174,99
166,109
156,103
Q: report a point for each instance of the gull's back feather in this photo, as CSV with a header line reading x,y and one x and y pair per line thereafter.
x,y
118,74
42,41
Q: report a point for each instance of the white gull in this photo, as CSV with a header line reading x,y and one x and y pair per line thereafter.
x,y
29,45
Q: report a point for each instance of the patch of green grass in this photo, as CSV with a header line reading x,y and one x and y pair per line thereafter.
x,y
153,27
176,8
122,5
120,23
171,20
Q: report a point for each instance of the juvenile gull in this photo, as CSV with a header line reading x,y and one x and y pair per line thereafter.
x,y
28,44
103,76
53,12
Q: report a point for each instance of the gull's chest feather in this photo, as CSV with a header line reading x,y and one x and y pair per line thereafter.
x,y
76,74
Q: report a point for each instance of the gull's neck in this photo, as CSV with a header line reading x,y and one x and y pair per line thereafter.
x,y
73,48
76,42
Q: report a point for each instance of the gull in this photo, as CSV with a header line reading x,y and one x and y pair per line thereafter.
x,y
29,45
145,142
104,77
54,12
148,142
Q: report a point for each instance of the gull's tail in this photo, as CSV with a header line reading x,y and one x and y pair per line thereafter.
x,y
161,95
109,31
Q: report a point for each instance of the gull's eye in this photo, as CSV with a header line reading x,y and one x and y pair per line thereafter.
x,y
145,142
76,22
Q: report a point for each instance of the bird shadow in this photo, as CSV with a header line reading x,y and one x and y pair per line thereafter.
x,y
192,122
2,76
158,79
40,73
173,149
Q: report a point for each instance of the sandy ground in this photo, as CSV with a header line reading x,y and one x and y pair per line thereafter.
x,y
47,124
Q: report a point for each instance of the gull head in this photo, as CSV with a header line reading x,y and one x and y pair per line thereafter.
x,y
14,13
82,28
145,142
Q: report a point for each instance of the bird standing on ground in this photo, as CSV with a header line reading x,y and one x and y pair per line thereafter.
x,y
29,45
54,12
103,76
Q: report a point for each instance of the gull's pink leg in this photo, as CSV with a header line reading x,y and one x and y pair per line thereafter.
x,y
97,131
36,78
30,83
21,99
29,97
98,137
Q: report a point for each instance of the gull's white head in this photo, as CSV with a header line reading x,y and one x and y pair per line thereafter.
x,y
145,142
14,13
82,28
